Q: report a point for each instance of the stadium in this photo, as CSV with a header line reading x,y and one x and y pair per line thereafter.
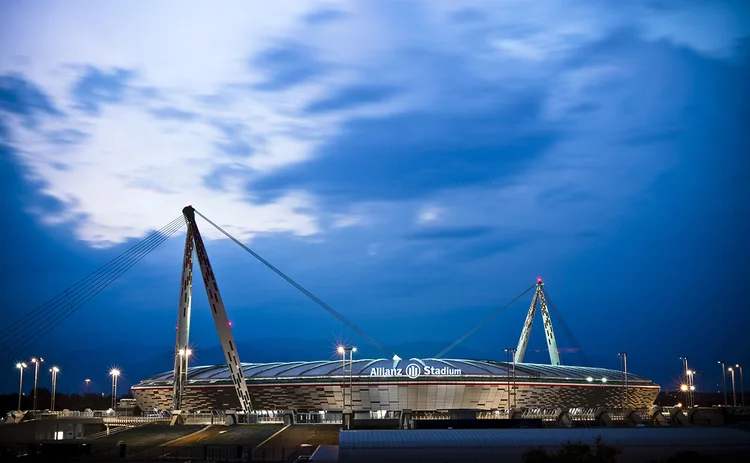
x,y
417,385
376,388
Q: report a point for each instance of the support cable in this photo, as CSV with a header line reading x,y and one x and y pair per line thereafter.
x,y
33,316
304,291
484,322
26,339
568,332
55,311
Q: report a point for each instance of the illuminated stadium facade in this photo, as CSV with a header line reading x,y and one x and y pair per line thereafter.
x,y
468,385
375,386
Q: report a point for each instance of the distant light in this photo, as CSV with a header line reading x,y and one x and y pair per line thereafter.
x,y
692,388
730,369
679,404
589,379
604,380
230,323
340,349
188,352
87,380
55,369
538,280
354,349
114,372
684,388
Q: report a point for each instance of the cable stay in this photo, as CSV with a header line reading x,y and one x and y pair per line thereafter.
x,y
568,332
304,291
32,316
484,322
27,330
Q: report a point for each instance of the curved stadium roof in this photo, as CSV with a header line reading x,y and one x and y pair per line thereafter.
x,y
362,367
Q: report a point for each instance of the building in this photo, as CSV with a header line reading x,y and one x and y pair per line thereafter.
x,y
381,386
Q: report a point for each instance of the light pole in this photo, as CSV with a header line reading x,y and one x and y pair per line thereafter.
x,y
114,373
343,350
20,367
88,390
742,384
724,380
184,354
36,361
624,365
734,395
54,371
691,387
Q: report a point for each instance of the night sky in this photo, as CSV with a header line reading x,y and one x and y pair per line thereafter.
x,y
416,165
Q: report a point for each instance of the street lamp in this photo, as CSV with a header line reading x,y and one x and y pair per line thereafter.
x,y
343,350
624,365
742,384
734,395
724,380
54,371
691,386
88,381
114,373
20,367
36,361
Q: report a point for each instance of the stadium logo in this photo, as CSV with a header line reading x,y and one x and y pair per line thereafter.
x,y
413,371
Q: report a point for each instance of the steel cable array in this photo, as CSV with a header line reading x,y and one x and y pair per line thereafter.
x,y
484,322
304,291
27,330
568,331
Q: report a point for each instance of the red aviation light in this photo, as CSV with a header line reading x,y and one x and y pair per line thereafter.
x,y
230,323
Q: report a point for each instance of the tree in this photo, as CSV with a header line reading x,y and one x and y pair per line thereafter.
x,y
574,452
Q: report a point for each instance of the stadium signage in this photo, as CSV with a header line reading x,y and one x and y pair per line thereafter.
x,y
413,371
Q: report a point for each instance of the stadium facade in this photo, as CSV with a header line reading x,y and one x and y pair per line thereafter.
x,y
385,385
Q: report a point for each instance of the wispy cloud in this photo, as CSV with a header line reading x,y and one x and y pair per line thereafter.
x,y
290,115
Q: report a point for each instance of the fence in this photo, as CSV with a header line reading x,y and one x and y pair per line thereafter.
x,y
114,452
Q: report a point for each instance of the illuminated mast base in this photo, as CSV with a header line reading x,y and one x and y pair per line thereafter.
x,y
554,354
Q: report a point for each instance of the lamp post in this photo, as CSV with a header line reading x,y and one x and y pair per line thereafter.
x,y
724,380
343,351
742,384
36,361
691,387
184,354
54,371
88,390
734,395
20,367
624,365
114,373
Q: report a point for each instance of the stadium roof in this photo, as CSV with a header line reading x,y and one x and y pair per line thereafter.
x,y
362,367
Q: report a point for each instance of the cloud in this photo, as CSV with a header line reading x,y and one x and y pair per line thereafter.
x,y
324,16
449,233
294,114
97,86
429,214
353,96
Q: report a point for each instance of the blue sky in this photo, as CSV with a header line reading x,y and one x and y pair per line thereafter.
x,y
414,164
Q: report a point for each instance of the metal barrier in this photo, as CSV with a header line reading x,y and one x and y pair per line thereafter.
x,y
132,420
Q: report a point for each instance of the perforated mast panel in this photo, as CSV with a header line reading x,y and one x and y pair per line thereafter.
x,y
549,333
219,314
183,322
524,340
